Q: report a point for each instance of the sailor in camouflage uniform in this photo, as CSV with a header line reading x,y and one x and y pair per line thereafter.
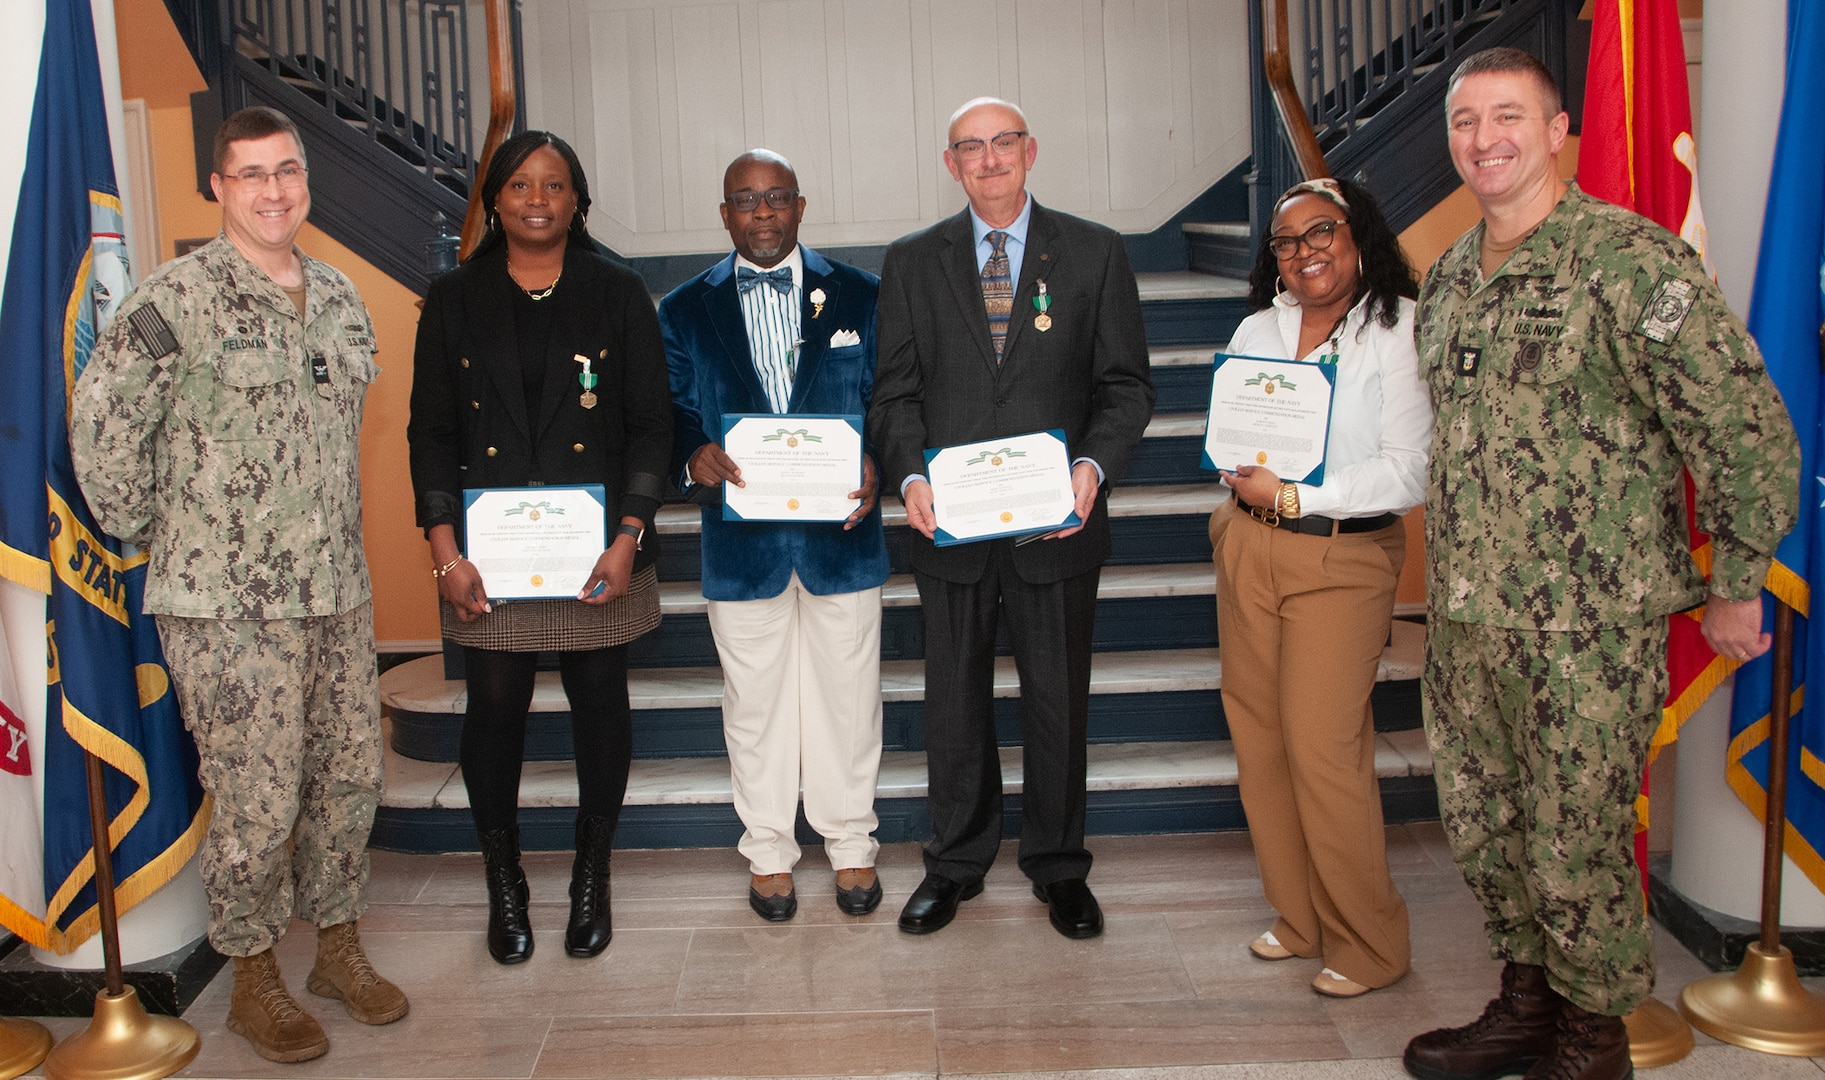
x,y
217,426
1577,358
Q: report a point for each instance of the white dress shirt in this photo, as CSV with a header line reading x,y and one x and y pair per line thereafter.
x,y
1381,420
772,319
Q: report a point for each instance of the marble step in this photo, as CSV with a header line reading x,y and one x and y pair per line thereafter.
x,y
1181,377
1149,523
685,802
1184,307
1155,695
1224,248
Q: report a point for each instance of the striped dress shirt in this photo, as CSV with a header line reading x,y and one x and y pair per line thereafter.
x,y
772,319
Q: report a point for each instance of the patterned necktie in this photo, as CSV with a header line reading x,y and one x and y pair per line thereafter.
x,y
997,291
780,277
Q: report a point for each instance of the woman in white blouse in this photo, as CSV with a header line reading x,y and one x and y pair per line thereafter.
x,y
1305,585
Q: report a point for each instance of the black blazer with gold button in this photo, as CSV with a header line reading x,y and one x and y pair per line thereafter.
x,y
471,426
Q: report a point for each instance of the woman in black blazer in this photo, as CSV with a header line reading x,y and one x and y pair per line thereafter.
x,y
500,398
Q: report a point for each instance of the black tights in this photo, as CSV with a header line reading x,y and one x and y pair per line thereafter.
x,y
494,730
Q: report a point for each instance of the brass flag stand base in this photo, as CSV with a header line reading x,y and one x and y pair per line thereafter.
x,y
23,1044
122,1041
1658,1035
1763,1006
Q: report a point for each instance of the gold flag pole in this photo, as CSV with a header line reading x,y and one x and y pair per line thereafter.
x,y
122,1041
23,1044
1762,1005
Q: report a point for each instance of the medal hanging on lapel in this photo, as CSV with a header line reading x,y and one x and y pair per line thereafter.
x,y
588,381
1042,322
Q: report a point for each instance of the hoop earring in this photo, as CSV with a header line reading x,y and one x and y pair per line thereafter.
x,y
492,222
1279,287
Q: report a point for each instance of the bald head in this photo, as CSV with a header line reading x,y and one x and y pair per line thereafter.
x,y
970,106
756,156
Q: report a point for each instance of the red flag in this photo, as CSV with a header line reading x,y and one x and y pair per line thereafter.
x,y
1636,150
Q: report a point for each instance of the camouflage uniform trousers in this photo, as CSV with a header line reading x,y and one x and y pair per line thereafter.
x,y
1538,741
286,716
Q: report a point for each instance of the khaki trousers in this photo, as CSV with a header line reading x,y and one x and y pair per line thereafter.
x,y
1301,625
801,704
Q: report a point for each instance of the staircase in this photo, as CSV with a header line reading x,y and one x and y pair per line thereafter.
x,y
1159,755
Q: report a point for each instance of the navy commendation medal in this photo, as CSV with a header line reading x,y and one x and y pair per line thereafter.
x,y
588,380
1042,322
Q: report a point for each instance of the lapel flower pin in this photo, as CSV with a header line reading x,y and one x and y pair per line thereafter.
x,y
817,302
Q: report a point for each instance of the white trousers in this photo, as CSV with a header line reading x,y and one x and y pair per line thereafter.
x,y
802,705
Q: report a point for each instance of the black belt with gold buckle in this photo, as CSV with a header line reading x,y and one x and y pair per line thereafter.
x,y
1316,524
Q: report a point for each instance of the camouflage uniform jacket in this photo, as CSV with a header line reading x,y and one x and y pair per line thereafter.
x,y
220,432
1567,391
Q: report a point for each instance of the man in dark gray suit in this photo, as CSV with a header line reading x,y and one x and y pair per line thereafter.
x,y
1007,319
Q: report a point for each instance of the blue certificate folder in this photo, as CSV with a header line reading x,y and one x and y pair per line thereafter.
x,y
1326,374
941,538
786,427
530,500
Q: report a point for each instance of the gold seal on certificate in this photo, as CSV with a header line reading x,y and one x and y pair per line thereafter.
x,y
794,467
1001,487
1274,413
535,542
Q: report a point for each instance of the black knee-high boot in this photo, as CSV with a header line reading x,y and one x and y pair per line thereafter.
x,y
590,925
509,928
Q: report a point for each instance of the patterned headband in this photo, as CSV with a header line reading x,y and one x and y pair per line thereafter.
x,y
1323,186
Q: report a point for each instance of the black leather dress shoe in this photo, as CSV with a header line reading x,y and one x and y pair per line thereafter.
x,y
1075,913
777,908
933,904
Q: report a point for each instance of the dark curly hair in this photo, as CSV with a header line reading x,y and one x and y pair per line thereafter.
x,y
507,159
1386,274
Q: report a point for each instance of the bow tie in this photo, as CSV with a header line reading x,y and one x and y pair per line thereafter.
x,y
780,277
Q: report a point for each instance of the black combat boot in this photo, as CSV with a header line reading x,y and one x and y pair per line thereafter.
x,y
590,925
509,928
1586,1046
1515,1031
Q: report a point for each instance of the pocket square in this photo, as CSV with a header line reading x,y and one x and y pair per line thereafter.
x,y
842,339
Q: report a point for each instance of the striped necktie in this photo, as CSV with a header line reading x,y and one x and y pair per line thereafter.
x,y
997,291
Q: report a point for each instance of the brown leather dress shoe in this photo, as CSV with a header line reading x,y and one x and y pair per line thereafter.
x,y
858,890
772,896
1516,1030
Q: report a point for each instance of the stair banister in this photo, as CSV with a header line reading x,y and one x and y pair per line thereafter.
x,y
1275,57
502,78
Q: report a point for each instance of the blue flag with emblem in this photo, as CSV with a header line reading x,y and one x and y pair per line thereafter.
x,y
1786,317
107,690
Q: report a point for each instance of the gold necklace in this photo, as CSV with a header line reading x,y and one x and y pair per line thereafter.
x,y
531,294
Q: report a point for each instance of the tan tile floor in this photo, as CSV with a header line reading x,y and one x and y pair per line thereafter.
x,y
695,985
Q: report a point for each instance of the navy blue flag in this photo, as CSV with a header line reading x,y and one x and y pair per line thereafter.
x,y
1786,317
107,688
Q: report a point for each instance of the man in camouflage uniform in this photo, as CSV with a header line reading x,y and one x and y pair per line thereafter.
x,y
216,425
1577,358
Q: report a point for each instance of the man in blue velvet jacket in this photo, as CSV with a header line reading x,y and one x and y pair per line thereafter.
x,y
795,608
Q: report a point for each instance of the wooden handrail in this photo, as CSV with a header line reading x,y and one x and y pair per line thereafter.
x,y
501,107
1279,68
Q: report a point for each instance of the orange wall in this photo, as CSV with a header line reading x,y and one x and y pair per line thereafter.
x,y
156,67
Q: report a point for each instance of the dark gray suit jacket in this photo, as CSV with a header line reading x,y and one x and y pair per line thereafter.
x,y
937,382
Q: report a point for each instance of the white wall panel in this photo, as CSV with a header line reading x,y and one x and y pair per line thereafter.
x,y
1138,105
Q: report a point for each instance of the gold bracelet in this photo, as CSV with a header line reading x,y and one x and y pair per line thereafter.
x,y
446,568
1289,500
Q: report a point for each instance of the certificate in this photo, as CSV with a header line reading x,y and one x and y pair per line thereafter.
x,y
1001,487
794,467
1274,413
535,542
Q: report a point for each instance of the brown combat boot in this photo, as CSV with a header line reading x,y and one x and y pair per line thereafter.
x,y
1588,1046
262,1012
342,971
1515,1031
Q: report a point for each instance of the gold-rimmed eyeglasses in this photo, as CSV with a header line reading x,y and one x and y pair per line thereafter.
x,y
1005,143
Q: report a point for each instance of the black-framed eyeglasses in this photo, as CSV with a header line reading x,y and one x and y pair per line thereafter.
x,y
746,202
1005,143
1318,237
288,176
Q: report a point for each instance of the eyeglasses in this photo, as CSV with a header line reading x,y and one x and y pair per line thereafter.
x,y
1318,237
971,149
289,176
746,202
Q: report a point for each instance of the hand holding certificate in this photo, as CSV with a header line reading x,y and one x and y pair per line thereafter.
x,y
1001,487
1273,413
792,467
535,542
